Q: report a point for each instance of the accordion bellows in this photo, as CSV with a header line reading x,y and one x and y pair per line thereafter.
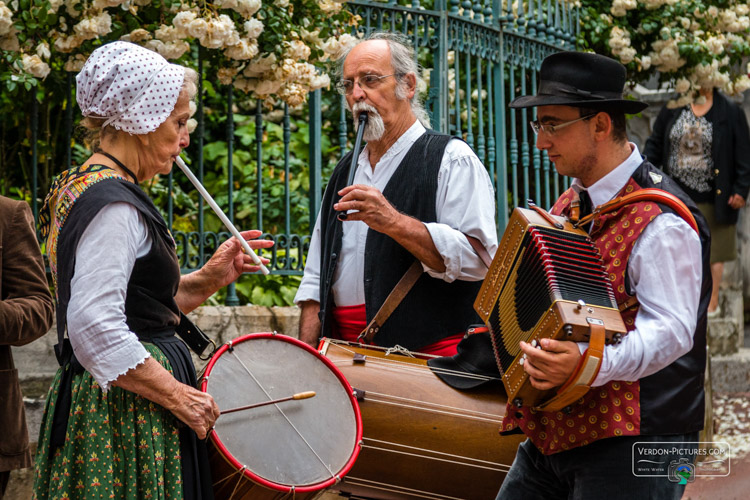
x,y
544,282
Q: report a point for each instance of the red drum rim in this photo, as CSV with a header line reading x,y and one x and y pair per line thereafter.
x,y
247,472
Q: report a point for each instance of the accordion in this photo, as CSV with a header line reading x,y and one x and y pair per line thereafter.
x,y
547,280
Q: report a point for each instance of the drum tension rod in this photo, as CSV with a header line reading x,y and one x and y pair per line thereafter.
x,y
358,393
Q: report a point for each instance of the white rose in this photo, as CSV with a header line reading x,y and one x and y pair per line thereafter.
x,y
139,35
197,28
6,19
248,7
226,75
167,33
169,50
267,87
54,5
329,6
627,55
682,85
244,84
42,50
742,84
320,81
35,66
253,28
242,51
297,49
293,94
260,65
183,19
715,45
103,24
282,4
74,64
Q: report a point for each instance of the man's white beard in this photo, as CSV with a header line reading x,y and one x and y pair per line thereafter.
x,y
375,127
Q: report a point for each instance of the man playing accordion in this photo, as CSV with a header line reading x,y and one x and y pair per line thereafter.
x,y
649,387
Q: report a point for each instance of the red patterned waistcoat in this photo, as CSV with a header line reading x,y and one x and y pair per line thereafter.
x,y
613,409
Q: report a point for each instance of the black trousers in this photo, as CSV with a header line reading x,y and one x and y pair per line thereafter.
x,y
601,470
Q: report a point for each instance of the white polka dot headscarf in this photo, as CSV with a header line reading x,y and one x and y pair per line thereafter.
x,y
133,88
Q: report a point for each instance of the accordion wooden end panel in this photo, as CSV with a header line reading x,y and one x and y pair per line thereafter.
x,y
544,282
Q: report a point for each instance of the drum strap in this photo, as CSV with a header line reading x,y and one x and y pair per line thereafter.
x,y
392,301
650,194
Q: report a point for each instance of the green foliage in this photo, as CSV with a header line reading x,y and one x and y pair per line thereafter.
x,y
687,44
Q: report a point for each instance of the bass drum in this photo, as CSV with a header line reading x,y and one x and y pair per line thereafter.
x,y
293,448
422,438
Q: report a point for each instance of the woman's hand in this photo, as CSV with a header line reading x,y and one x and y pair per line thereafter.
x,y
229,261
224,267
196,409
152,381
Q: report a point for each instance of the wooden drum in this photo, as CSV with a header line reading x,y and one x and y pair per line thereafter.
x,y
422,438
293,448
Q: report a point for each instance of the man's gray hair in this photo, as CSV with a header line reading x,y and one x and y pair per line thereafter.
x,y
404,61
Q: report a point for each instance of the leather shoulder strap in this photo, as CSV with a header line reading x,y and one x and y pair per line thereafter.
x,y
650,194
392,301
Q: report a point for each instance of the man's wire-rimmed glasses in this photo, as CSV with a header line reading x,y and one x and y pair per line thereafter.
x,y
365,82
548,129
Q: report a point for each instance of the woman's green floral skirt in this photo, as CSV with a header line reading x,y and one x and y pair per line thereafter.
x,y
118,445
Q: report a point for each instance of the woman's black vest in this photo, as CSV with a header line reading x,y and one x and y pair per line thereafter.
x,y
150,312
433,309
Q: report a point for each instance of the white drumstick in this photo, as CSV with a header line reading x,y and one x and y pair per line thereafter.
x,y
227,223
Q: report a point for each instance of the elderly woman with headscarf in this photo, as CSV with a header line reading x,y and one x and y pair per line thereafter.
x,y
123,418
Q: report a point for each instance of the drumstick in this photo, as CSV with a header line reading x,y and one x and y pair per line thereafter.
x,y
227,223
299,395
355,153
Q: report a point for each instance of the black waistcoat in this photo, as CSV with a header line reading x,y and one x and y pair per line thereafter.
x,y
672,399
433,309
150,308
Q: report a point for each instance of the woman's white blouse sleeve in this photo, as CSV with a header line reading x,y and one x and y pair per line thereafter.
x,y
105,257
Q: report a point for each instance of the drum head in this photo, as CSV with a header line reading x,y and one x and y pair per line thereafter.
x,y
293,443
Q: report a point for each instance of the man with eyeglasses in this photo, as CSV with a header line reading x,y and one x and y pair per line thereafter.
x,y
417,196
648,392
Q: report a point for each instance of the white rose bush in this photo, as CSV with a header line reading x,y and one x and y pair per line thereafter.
x,y
690,44
269,49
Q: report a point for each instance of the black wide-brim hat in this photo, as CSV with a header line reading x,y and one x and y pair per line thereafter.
x,y
473,365
581,80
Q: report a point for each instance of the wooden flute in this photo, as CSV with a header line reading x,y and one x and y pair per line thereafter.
x,y
355,156
220,214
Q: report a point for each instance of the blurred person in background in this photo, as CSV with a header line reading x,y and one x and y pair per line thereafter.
x,y
705,148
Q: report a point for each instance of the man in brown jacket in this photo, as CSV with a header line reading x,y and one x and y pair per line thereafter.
x,y
25,315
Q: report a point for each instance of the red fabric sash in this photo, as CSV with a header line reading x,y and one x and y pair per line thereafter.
x,y
349,321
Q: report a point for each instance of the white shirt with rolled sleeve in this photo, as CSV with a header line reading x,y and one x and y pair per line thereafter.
x,y
665,270
465,205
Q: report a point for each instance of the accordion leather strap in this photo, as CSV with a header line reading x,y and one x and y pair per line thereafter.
x,y
392,301
580,381
650,194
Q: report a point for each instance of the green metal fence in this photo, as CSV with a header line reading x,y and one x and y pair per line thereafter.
x,y
479,55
